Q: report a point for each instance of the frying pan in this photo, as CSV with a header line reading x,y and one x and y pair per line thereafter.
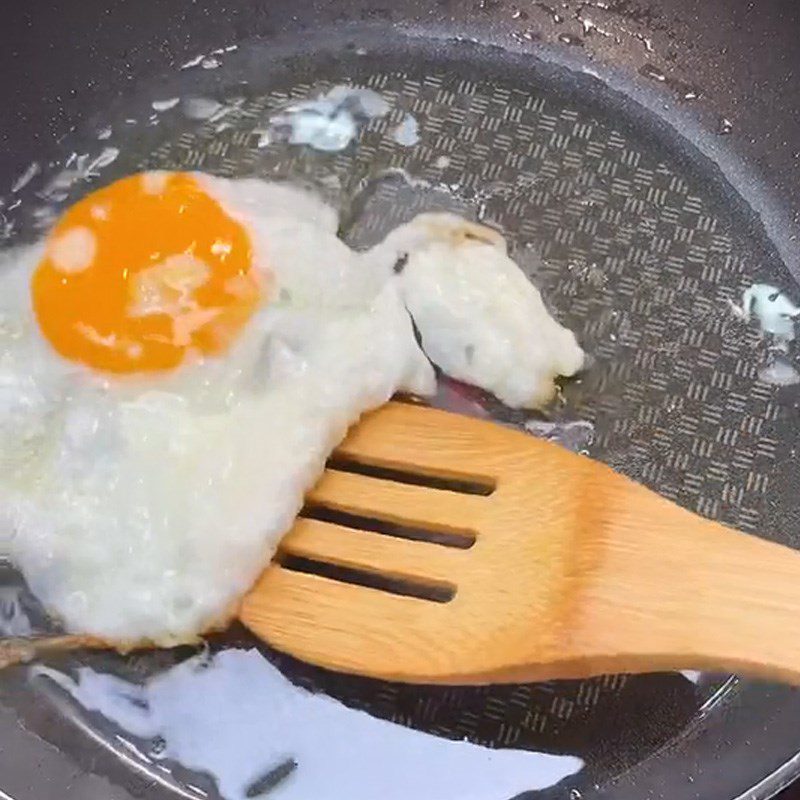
x,y
641,156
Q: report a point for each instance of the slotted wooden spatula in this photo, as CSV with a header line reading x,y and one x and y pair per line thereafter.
x,y
442,549
543,564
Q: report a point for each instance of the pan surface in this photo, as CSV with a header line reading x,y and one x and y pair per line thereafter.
x,y
641,244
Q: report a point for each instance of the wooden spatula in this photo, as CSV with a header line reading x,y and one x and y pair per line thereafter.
x,y
543,564
441,549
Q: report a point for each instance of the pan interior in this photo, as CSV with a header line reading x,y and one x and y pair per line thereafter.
x,y
637,247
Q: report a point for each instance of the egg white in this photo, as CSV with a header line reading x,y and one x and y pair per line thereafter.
x,y
143,508
480,319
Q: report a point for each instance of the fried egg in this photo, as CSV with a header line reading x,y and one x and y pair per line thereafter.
x,y
178,360
181,355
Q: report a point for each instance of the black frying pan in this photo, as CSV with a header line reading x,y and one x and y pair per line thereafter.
x,y
662,142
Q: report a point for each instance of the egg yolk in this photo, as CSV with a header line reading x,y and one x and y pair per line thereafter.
x,y
143,272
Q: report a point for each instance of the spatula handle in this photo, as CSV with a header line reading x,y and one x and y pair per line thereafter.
x,y
672,590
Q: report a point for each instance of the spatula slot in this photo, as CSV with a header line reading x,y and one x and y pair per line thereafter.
x,y
412,476
461,540
434,592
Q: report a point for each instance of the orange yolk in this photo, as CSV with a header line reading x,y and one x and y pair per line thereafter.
x,y
143,272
